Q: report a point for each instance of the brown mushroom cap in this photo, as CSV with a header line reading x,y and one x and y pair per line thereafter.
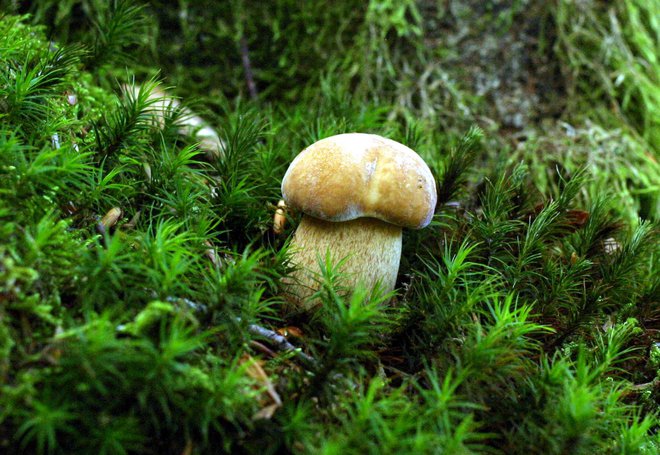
x,y
357,175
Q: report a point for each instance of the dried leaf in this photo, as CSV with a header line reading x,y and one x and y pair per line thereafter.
x,y
291,331
256,372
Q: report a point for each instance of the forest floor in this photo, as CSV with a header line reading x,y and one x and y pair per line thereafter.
x,y
141,277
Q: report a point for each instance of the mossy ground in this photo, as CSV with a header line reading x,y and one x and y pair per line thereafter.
x,y
139,279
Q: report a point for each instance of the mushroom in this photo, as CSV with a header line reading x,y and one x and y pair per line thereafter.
x,y
356,191
189,123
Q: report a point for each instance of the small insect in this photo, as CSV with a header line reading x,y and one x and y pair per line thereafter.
x,y
279,220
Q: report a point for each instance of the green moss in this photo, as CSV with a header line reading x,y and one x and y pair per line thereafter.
x,y
611,52
525,317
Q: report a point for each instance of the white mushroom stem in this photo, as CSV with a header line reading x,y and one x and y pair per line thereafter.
x,y
371,250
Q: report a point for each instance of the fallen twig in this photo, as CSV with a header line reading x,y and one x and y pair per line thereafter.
x,y
247,66
279,342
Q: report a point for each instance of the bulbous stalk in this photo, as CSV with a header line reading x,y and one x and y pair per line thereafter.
x,y
371,248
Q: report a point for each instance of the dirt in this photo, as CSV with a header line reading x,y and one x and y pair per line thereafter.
x,y
497,55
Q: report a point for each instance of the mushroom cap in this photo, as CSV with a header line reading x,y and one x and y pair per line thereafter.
x,y
357,175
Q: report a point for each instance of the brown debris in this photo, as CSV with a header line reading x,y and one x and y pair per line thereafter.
x,y
270,400
109,220
279,220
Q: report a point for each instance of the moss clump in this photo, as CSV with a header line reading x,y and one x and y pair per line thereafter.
x,y
140,307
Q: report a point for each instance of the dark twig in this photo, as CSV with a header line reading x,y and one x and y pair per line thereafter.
x,y
247,66
279,342
275,339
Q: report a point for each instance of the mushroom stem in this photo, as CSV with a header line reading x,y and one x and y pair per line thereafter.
x,y
371,249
